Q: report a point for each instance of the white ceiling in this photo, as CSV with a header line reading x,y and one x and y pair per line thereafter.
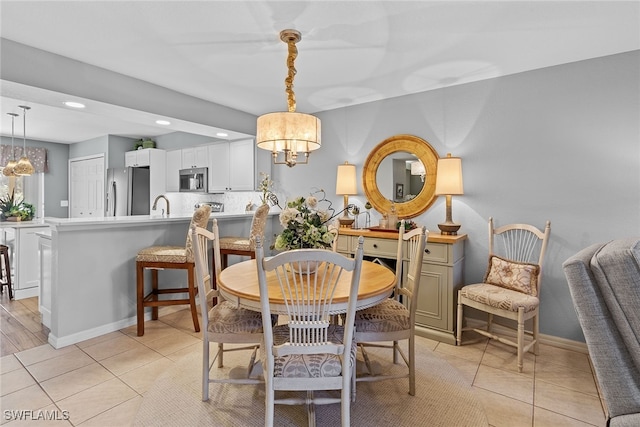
x,y
229,52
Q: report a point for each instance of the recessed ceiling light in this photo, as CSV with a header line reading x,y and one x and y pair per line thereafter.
x,y
222,134
163,122
74,104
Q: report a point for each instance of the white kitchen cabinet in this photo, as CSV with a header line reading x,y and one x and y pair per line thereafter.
x,y
232,166
441,276
195,157
25,266
137,158
174,164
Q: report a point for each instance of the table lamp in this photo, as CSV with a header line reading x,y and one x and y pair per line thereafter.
x,y
449,183
346,185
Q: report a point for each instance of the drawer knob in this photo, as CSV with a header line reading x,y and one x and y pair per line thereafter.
x,y
427,251
375,246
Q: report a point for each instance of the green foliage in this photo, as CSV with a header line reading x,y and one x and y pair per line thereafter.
x,y
11,206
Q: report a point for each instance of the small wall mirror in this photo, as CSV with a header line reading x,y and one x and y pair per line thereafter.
x,y
401,169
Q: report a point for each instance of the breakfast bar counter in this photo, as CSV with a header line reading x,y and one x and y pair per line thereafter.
x,y
93,274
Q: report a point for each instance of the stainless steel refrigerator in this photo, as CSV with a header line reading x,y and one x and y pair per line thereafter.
x,y
128,191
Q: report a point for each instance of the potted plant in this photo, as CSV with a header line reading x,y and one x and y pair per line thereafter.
x,y
13,208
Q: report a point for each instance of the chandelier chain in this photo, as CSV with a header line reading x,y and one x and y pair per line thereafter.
x,y
288,81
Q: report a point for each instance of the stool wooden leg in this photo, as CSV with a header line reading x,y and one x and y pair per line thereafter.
x,y
192,297
7,273
140,297
154,289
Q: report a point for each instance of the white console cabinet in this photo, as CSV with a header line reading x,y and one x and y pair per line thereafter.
x,y
442,275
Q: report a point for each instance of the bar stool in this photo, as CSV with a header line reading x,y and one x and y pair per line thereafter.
x,y
157,258
245,246
5,270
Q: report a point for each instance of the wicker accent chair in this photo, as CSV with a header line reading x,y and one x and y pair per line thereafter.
x,y
222,321
156,258
309,352
511,286
245,246
394,319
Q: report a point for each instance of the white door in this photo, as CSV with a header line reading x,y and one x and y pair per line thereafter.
x,y
86,187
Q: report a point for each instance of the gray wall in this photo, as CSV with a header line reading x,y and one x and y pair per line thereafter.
x,y
559,144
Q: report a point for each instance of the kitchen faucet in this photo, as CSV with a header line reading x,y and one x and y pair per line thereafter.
x,y
155,203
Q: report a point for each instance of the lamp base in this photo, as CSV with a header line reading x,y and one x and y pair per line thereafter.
x,y
346,221
449,228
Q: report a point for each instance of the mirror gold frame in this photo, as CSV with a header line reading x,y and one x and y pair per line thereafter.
x,y
423,151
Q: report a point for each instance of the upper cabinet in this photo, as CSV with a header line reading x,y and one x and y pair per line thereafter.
x,y
232,166
195,157
174,164
144,157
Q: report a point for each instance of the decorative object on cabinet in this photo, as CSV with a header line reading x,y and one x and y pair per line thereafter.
x,y
222,321
394,319
511,287
289,132
448,183
377,179
310,352
24,166
442,275
245,246
5,271
8,170
346,185
157,258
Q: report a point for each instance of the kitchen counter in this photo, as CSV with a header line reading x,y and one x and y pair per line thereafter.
x,y
22,224
93,274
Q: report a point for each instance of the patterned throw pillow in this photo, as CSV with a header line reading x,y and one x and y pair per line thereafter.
x,y
517,276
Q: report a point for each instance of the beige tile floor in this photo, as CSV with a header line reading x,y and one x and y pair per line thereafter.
x,y
102,381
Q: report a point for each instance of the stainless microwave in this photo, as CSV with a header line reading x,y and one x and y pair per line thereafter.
x,y
193,180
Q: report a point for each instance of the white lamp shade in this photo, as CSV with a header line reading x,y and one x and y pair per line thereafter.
x,y
449,176
292,131
346,182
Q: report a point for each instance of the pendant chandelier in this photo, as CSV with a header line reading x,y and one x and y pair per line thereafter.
x,y
11,164
24,166
290,133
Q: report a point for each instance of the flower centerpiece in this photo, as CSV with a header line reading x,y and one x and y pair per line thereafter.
x,y
305,226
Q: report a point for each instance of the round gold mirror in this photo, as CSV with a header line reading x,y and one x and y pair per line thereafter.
x,y
390,173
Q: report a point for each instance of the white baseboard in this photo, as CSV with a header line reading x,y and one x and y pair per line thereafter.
x,y
63,341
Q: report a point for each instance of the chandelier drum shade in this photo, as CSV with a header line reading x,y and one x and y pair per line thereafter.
x,y
290,133
24,166
11,164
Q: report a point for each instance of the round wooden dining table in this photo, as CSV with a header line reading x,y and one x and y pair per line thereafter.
x,y
239,284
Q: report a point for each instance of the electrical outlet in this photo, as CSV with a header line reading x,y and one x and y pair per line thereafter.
x,y
64,203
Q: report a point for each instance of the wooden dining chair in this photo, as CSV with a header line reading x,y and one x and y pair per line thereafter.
x,y
310,352
222,321
386,324
511,286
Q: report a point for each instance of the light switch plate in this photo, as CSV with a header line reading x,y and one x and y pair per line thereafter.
x,y
64,203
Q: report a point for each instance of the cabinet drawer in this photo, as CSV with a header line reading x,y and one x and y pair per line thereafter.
x,y
436,252
387,248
